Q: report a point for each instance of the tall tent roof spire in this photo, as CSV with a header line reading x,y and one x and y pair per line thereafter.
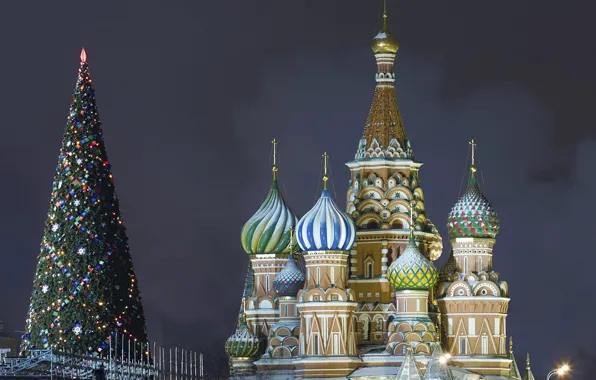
x,y
384,133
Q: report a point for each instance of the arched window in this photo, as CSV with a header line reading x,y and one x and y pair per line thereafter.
x,y
479,264
332,276
369,270
318,276
466,264
267,284
372,225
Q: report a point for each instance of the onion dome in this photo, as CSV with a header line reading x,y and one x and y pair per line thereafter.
x,y
325,227
473,215
268,230
242,344
449,268
384,42
411,270
289,280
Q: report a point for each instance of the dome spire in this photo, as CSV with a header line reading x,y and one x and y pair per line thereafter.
x,y
473,166
384,16
275,167
325,175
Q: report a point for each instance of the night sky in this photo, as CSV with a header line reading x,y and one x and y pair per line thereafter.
x,y
192,92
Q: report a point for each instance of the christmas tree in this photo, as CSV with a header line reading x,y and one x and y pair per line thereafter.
x,y
85,293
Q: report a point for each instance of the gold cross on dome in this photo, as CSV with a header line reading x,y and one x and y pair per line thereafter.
x,y
473,166
473,143
325,176
274,169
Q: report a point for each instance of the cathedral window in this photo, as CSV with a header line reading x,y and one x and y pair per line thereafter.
x,y
417,305
369,267
485,345
287,310
332,276
315,344
479,264
450,326
497,326
318,276
335,344
472,326
465,265
405,306
267,284
462,345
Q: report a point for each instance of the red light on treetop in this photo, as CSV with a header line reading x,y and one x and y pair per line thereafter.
x,y
83,55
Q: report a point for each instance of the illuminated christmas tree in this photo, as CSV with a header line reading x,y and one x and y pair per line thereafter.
x,y
85,291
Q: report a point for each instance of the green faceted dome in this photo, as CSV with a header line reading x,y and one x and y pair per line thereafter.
x,y
473,215
412,271
243,344
268,230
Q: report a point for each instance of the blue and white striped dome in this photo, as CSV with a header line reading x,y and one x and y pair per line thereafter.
x,y
325,227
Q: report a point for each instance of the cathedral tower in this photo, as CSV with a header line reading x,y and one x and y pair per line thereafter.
x,y
384,188
267,239
283,344
327,339
412,276
243,347
473,301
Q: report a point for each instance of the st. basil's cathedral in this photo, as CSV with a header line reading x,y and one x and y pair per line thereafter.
x,y
354,293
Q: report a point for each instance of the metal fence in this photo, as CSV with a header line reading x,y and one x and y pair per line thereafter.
x,y
157,364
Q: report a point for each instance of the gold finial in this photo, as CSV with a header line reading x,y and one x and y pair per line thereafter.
x,y
274,169
473,166
384,15
511,345
325,176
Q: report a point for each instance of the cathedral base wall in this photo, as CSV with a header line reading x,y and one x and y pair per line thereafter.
x,y
484,366
325,367
242,366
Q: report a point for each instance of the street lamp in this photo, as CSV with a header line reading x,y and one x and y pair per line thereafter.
x,y
561,371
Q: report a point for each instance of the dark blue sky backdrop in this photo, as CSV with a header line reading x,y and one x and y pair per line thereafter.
x,y
191,94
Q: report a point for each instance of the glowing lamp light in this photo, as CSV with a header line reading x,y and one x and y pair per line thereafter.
x,y
83,55
447,356
563,369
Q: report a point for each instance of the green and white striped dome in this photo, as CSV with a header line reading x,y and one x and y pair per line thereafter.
x,y
268,230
